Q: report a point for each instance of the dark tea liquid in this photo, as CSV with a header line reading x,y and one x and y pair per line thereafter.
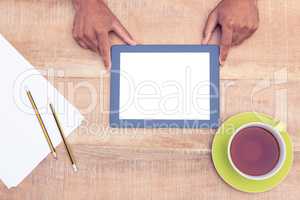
x,y
254,151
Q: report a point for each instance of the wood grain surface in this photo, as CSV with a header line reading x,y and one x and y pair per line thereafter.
x,y
261,75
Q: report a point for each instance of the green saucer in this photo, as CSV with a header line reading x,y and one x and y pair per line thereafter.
x,y
222,164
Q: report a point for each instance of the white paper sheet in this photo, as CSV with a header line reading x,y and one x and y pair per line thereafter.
x,y
22,144
171,86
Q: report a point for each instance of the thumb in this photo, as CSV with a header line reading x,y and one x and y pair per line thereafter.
x,y
210,26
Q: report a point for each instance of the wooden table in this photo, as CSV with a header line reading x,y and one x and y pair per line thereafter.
x,y
261,75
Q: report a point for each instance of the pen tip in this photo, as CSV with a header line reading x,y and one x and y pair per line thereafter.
x,y
54,155
75,168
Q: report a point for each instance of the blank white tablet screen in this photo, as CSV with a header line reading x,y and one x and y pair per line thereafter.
x,y
165,86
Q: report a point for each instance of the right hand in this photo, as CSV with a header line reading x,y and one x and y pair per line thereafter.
x,y
239,19
92,24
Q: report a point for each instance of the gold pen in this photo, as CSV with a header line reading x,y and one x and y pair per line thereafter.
x,y
63,138
53,151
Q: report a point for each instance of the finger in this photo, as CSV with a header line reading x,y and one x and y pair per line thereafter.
x,y
89,43
104,49
85,43
121,31
248,33
226,40
239,35
75,24
85,34
78,31
91,39
210,26
82,44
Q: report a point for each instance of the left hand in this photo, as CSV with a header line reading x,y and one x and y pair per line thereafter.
x,y
238,20
93,23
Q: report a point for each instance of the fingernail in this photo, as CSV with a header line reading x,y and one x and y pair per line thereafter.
x,y
221,61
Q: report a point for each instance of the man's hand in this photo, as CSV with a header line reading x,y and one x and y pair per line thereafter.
x,y
238,20
92,24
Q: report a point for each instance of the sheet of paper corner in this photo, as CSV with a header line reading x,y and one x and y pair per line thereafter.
x,y
22,144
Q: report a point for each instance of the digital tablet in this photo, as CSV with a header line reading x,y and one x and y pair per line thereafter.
x,y
164,86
